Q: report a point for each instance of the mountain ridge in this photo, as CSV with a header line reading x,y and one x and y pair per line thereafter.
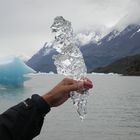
x,y
129,65
113,46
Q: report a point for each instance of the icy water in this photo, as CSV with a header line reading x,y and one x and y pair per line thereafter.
x,y
113,109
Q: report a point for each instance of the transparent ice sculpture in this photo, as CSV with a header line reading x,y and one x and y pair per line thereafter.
x,y
69,60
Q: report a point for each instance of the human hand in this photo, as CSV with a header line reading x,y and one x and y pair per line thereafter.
x,y
60,93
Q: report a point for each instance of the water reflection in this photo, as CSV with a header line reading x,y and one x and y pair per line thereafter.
x,y
10,96
113,109
8,92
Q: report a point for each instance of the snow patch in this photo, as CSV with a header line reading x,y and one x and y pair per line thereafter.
x,y
113,35
138,30
48,48
111,74
86,37
135,33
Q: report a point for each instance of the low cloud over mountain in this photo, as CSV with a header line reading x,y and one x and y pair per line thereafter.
x,y
113,46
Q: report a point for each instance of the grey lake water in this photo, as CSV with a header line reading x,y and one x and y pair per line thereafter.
x,y
113,109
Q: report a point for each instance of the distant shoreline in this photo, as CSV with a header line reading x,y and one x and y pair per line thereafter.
x,y
127,66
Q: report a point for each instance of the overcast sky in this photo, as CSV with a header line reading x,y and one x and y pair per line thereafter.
x,y
25,24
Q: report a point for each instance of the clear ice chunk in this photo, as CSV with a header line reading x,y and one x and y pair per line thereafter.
x,y
69,60
12,71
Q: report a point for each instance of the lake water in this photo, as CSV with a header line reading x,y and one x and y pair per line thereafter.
x,y
113,109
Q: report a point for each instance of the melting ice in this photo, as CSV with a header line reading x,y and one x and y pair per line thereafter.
x,y
69,61
12,71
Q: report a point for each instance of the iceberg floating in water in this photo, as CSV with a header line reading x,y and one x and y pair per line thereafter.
x,y
12,71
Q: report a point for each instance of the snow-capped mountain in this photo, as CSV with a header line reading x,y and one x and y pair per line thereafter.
x,y
122,38
42,61
113,46
93,35
87,37
96,53
128,32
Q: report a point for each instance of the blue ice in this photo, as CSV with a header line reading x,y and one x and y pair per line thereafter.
x,y
13,71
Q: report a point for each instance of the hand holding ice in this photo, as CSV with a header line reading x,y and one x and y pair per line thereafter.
x,y
69,61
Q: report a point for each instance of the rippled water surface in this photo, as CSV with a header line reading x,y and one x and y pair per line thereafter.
x,y
113,109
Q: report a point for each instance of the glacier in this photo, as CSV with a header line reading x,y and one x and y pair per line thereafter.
x,y
13,71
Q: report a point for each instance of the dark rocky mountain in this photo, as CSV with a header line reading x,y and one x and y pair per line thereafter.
x,y
115,45
129,65
112,47
42,61
118,44
93,59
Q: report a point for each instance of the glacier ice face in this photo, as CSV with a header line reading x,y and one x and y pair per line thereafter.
x,y
12,71
69,61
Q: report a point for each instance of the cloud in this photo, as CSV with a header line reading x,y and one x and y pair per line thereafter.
x,y
36,15
134,11
131,16
25,24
